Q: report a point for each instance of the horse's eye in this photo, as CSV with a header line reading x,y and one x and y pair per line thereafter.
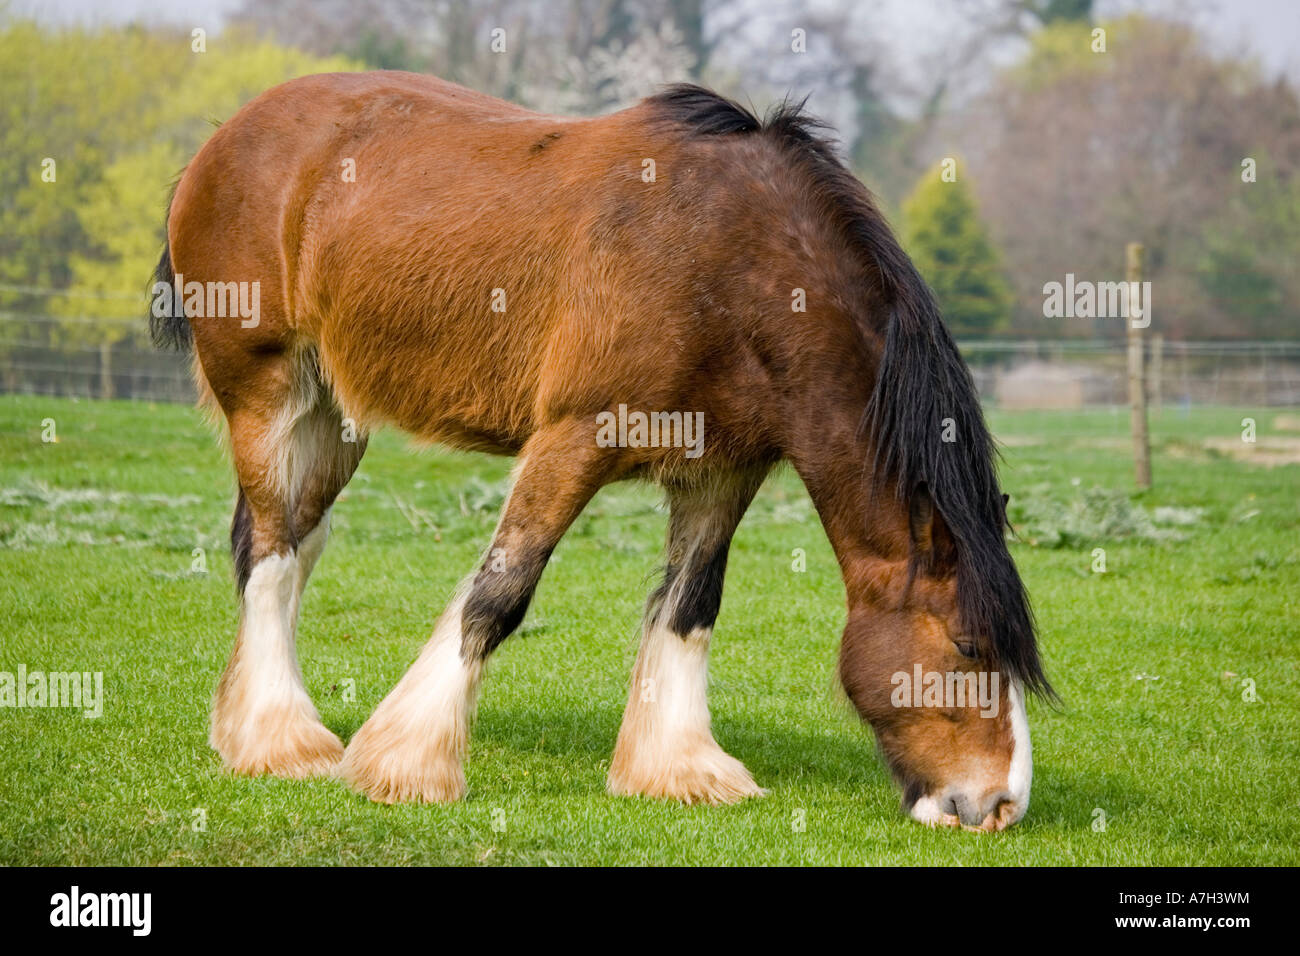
x,y
966,647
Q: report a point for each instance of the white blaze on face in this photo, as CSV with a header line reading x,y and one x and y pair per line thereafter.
x,y
936,808
1022,763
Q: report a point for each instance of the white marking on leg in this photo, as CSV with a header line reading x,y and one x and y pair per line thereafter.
x,y
671,690
312,544
270,599
413,746
309,552
665,746
263,721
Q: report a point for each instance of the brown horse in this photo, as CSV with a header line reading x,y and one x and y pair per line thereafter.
x,y
678,292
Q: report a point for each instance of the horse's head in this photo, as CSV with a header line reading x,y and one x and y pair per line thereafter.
x,y
947,712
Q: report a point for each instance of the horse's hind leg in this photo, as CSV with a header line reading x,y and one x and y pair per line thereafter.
x,y
413,745
665,747
291,464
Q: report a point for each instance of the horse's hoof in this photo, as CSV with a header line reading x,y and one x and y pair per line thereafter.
x,y
706,775
282,745
400,771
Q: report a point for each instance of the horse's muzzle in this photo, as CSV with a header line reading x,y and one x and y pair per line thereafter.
x,y
991,811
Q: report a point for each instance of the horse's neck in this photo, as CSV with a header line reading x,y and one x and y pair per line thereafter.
x,y
865,519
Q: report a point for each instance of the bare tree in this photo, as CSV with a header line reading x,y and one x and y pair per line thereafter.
x,y
1072,157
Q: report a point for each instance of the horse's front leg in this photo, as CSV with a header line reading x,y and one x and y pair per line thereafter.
x,y
665,747
413,745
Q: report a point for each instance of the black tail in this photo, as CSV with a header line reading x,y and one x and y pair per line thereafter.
x,y
168,326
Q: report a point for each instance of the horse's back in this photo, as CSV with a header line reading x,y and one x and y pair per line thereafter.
x,y
460,266
415,234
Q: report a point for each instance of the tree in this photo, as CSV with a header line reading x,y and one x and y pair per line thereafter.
x,y
1247,263
946,238
113,133
1050,11
1077,151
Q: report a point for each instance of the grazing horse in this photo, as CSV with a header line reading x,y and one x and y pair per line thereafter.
x,y
490,278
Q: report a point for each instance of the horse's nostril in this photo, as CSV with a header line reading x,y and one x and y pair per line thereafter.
x,y
1004,813
1003,802
965,809
997,810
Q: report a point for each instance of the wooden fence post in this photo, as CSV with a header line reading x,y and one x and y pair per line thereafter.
x,y
1137,389
105,369
1156,377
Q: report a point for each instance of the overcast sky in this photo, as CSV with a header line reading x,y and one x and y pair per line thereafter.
x,y
1268,29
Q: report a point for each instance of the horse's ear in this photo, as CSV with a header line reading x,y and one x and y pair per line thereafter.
x,y
921,518
930,534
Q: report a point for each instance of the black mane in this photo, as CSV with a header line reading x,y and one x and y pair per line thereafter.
x,y
921,381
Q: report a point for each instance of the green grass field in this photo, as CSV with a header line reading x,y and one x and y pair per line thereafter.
x,y
1153,658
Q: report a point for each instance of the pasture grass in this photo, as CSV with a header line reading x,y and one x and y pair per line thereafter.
x,y
98,533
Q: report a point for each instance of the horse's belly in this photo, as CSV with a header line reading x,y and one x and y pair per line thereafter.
x,y
437,375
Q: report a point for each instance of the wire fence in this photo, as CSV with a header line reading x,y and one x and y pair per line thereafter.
x,y
1072,373
112,358
88,357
